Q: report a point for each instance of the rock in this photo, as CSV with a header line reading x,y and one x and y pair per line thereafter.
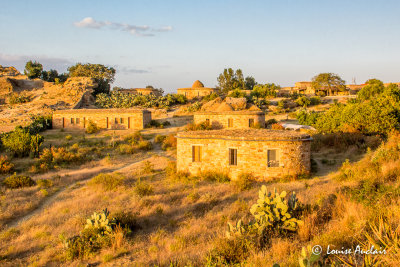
x,y
237,103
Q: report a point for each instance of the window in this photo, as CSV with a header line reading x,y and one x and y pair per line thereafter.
x,y
115,120
232,156
196,153
208,121
72,120
77,120
251,122
273,159
121,120
230,123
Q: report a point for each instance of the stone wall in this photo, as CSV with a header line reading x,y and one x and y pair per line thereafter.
x,y
118,119
239,119
191,93
294,156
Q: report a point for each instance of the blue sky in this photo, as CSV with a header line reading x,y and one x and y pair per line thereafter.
x,y
169,44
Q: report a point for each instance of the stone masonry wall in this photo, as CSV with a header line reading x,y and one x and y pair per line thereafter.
x,y
104,119
294,157
239,121
193,93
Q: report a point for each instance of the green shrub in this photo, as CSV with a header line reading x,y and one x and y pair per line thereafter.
x,y
68,137
142,189
18,181
44,183
134,138
229,252
198,127
108,181
159,138
5,165
215,176
270,122
53,157
169,142
20,98
244,181
20,142
156,124
126,149
147,167
196,106
92,127
145,145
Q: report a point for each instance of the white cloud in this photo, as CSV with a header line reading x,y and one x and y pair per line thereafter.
x,y
141,30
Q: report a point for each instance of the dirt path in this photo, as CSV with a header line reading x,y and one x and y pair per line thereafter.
x,y
86,175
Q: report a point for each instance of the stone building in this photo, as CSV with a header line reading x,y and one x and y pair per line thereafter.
x,y
118,119
141,91
240,119
264,153
197,90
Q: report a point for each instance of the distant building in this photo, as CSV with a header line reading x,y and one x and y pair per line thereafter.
x,y
141,91
263,153
118,119
197,90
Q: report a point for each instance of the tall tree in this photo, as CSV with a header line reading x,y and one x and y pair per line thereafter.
x,y
33,69
103,75
250,82
328,82
50,75
230,80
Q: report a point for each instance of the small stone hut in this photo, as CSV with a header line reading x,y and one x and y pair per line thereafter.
x,y
264,153
197,90
118,119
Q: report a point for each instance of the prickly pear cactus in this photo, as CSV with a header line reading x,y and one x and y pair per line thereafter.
x,y
308,258
274,211
101,221
236,230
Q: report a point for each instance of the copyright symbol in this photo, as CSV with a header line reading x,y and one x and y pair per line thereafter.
x,y
316,250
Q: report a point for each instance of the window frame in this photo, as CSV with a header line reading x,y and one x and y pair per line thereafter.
x,y
230,122
277,158
199,156
232,157
251,122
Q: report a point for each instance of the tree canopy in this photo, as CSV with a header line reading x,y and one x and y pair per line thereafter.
x,y
328,82
230,80
103,75
33,69
373,87
265,90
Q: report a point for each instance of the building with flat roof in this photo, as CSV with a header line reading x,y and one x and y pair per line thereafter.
x,y
118,119
261,152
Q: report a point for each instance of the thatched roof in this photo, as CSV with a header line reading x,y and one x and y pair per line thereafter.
x,y
224,107
247,134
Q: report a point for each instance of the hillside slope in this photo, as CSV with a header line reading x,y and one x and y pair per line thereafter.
x,y
39,97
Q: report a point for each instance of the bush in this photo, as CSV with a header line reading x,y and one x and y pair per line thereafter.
x,y
68,137
142,189
145,145
5,165
244,181
229,252
108,181
214,176
21,143
44,183
53,157
270,122
134,138
126,149
147,167
237,93
159,138
21,98
169,142
277,126
199,127
194,107
156,124
18,181
92,127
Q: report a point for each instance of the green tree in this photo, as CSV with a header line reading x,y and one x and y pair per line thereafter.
x,y
303,101
103,75
50,75
230,80
33,69
250,82
373,87
265,90
328,82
